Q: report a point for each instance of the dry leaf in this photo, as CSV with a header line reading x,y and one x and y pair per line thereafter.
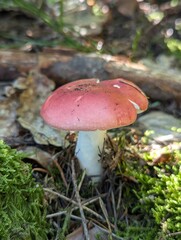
x,y
41,157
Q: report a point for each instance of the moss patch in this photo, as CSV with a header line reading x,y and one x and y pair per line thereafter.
x,y
21,199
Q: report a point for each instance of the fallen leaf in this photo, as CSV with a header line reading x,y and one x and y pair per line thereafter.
x,y
41,157
163,158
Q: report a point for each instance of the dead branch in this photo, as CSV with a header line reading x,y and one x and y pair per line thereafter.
x,y
63,67
84,221
95,214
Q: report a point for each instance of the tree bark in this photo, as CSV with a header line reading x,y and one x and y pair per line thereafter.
x,y
65,65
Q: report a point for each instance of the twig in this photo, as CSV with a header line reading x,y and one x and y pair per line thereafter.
x,y
120,195
61,172
57,214
60,195
114,209
106,216
173,234
76,217
93,199
37,169
86,232
84,203
75,203
81,181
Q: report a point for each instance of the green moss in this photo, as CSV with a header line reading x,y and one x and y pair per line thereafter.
x,y
174,47
152,201
135,230
21,199
159,193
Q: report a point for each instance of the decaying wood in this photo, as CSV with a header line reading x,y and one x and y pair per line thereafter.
x,y
66,66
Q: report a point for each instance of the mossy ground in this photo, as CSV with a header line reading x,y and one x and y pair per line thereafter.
x,y
21,199
154,195
146,196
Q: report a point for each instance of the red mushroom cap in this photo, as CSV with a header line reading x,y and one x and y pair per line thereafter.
x,y
88,105
131,91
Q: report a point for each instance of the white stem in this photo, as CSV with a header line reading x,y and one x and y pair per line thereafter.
x,y
88,149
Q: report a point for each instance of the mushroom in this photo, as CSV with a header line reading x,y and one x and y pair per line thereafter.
x,y
93,107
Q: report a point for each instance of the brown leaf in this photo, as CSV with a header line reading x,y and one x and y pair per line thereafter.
x,y
41,157
163,158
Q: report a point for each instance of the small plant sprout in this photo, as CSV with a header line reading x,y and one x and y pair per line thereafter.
x,y
92,107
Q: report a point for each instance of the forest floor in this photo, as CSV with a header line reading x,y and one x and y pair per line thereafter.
x,y
139,194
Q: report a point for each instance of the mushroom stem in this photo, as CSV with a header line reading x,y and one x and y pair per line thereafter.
x,y
88,149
